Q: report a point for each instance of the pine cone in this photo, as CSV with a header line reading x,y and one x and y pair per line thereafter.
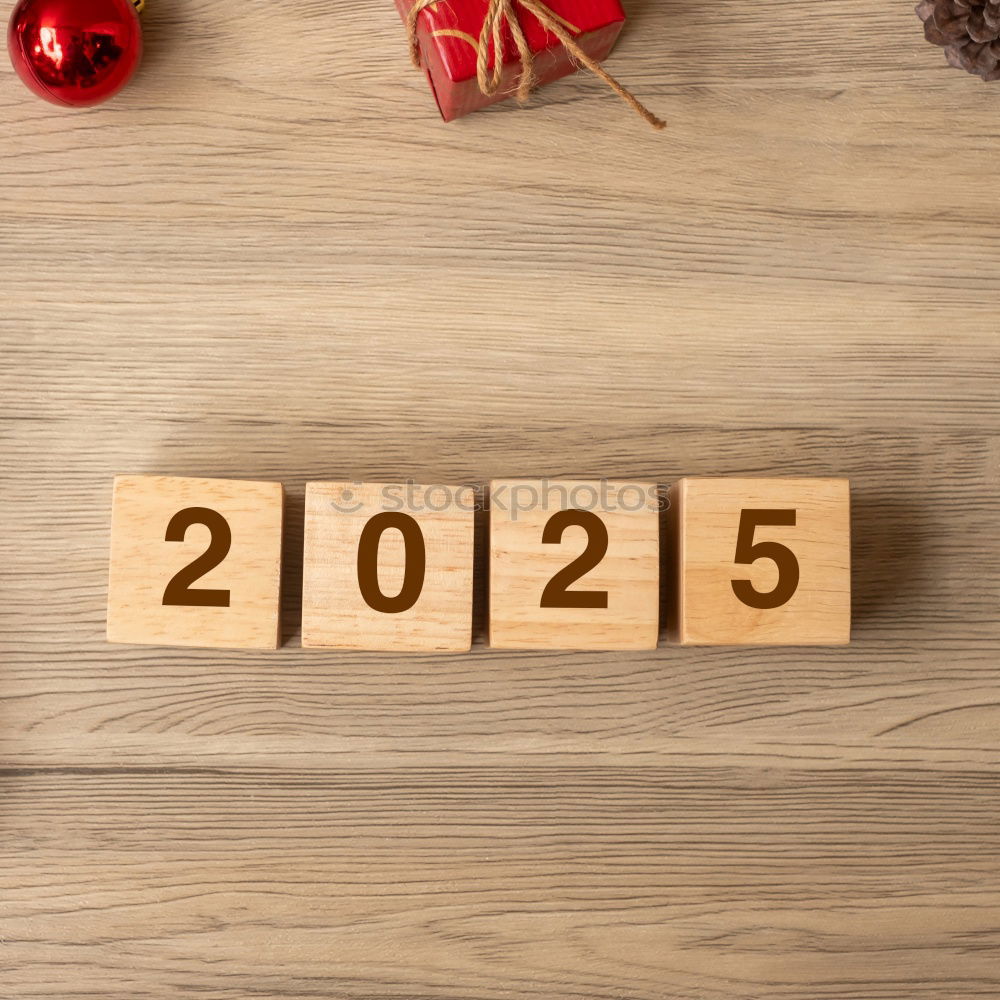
x,y
969,32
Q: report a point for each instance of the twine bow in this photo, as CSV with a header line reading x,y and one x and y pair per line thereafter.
x,y
504,12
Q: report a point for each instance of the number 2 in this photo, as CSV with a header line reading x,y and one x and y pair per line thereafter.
x,y
555,594
748,551
178,591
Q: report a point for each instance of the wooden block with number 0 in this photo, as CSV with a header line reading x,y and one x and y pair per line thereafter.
x,y
574,565
762,561
195,562
388,567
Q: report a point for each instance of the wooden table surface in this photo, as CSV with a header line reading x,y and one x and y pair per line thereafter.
x,y
269,259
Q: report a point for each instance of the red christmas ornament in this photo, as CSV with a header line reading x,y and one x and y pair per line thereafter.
x,y
75,52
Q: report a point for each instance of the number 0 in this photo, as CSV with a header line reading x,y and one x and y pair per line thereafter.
x,y
415,562
748,551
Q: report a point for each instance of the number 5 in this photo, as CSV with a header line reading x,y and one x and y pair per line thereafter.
x,y
748,551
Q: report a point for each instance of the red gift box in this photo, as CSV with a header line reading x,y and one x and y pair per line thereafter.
x,y
448,33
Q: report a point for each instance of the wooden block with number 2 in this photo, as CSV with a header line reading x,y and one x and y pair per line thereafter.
x,y
574,565
195,562
762,561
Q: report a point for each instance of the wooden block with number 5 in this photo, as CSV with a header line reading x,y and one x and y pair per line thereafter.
x,y
762,561
195,562
388,567
574,565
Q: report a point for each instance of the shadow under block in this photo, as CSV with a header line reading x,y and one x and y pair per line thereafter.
x,y
762,561
544,561
383,574
195,562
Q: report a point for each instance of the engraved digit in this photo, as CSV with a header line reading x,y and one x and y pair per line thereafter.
x,y
556,594
178,591
748,551
414,566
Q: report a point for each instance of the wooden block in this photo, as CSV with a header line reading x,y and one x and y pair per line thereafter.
x,y
574,565
388,567
762,561
195,562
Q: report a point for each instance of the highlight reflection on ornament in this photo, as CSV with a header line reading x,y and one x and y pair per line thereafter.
x,y
75,52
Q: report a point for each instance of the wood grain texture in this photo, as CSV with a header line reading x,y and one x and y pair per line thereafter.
x,y
268,260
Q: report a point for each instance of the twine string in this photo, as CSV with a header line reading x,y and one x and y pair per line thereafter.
x,y
504,12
